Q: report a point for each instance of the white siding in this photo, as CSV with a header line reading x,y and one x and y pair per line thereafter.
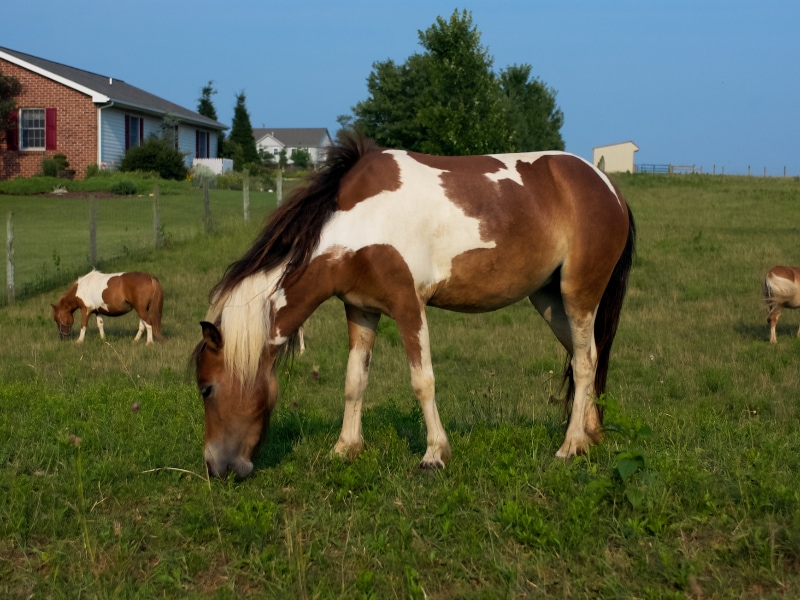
x,y
112,137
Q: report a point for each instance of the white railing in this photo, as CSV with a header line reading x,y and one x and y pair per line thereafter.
x,y
217,165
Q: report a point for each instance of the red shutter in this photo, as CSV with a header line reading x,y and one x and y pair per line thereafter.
x,y
51,129
12,134
127,132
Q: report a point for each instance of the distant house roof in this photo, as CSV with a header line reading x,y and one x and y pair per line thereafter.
x,y
297,137
105,90
635,147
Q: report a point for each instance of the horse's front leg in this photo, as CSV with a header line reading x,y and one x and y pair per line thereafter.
x,y
414,331
84,323
100,326
361,327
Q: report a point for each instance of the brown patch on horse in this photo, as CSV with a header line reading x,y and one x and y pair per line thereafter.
x,y
374,278
787,273
373,174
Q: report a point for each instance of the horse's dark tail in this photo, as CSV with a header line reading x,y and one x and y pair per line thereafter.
x,y
156,309
606,321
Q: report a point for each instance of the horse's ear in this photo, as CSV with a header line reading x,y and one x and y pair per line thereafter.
x,y
211,336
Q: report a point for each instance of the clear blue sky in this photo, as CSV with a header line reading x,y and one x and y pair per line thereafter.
x,y
689,81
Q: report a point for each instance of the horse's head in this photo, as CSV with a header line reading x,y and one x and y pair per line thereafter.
x,y
236,413
64,319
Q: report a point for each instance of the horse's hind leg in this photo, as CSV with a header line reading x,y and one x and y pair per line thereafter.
x,y
361,328
772,319
141,330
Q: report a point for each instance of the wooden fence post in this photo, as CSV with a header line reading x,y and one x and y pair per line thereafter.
x,y
157,241
246,196
93,231
206,208
10,259
279,186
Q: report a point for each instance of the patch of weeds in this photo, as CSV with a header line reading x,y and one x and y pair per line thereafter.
x,y
526,523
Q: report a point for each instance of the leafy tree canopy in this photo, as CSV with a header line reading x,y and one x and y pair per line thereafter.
x,y
448,100
205,106
10,88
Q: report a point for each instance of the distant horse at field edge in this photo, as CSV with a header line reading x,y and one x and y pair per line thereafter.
x,y
112,295
390,232
780,290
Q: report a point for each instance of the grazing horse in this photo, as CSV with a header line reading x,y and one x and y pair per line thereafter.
x,y
112,295
390,232
781,289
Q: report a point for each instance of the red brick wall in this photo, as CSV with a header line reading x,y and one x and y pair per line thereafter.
x,y
76,125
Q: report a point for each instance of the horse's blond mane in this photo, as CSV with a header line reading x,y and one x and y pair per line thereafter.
x,y
244,317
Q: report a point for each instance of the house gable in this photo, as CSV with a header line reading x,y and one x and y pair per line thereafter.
x,y
92,111
314,139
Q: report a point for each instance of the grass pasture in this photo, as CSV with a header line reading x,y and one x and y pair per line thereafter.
x,y
695,492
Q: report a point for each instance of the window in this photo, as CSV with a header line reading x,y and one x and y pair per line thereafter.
x,y
37,129
202,145
32,129
134,131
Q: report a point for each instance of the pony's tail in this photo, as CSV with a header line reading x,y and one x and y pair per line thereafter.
x,y
156,309
777,291
606,321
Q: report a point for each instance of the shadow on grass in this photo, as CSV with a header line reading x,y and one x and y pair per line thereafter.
x,y
760,332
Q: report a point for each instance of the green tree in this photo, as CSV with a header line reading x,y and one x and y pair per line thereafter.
x,y
534,119
205,107
301,158
443,101
10,88
448,100
242,135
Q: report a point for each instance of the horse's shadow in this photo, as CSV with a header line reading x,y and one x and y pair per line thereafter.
x,y
760,332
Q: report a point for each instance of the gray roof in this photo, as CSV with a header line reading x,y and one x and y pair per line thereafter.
x,y
297,137
104,89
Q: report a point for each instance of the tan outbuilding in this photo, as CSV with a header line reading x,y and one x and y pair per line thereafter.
x,y
615,158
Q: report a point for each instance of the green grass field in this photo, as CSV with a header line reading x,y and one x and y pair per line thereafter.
x,y
695,492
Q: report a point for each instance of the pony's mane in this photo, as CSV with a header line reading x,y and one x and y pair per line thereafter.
x,y
241,301
291,232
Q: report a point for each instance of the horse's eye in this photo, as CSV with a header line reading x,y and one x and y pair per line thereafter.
x,y
205,391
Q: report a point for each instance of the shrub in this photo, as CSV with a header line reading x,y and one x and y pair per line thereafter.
x,y
123,188
156,155
201,175
92,170
53,167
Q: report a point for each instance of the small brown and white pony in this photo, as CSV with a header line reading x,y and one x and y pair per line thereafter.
x,y
112,295
781,289
390,232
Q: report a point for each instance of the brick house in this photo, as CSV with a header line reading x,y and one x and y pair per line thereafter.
x,y
89,118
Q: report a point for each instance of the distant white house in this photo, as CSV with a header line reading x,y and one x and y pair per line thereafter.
x,y
615,158
314,139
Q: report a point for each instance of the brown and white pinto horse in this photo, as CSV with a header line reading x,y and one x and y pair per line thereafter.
x,y
390,232
781,289
112,295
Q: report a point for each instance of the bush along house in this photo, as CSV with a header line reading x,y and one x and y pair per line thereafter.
x,y
90,119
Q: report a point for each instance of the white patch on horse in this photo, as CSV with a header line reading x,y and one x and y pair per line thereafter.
x,y
91,287
421,206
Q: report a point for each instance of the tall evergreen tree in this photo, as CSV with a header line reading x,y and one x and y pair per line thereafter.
x,y
241,137
205,107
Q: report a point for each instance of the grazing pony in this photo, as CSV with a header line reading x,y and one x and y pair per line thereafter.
x,y
112,295
390,232
780,290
